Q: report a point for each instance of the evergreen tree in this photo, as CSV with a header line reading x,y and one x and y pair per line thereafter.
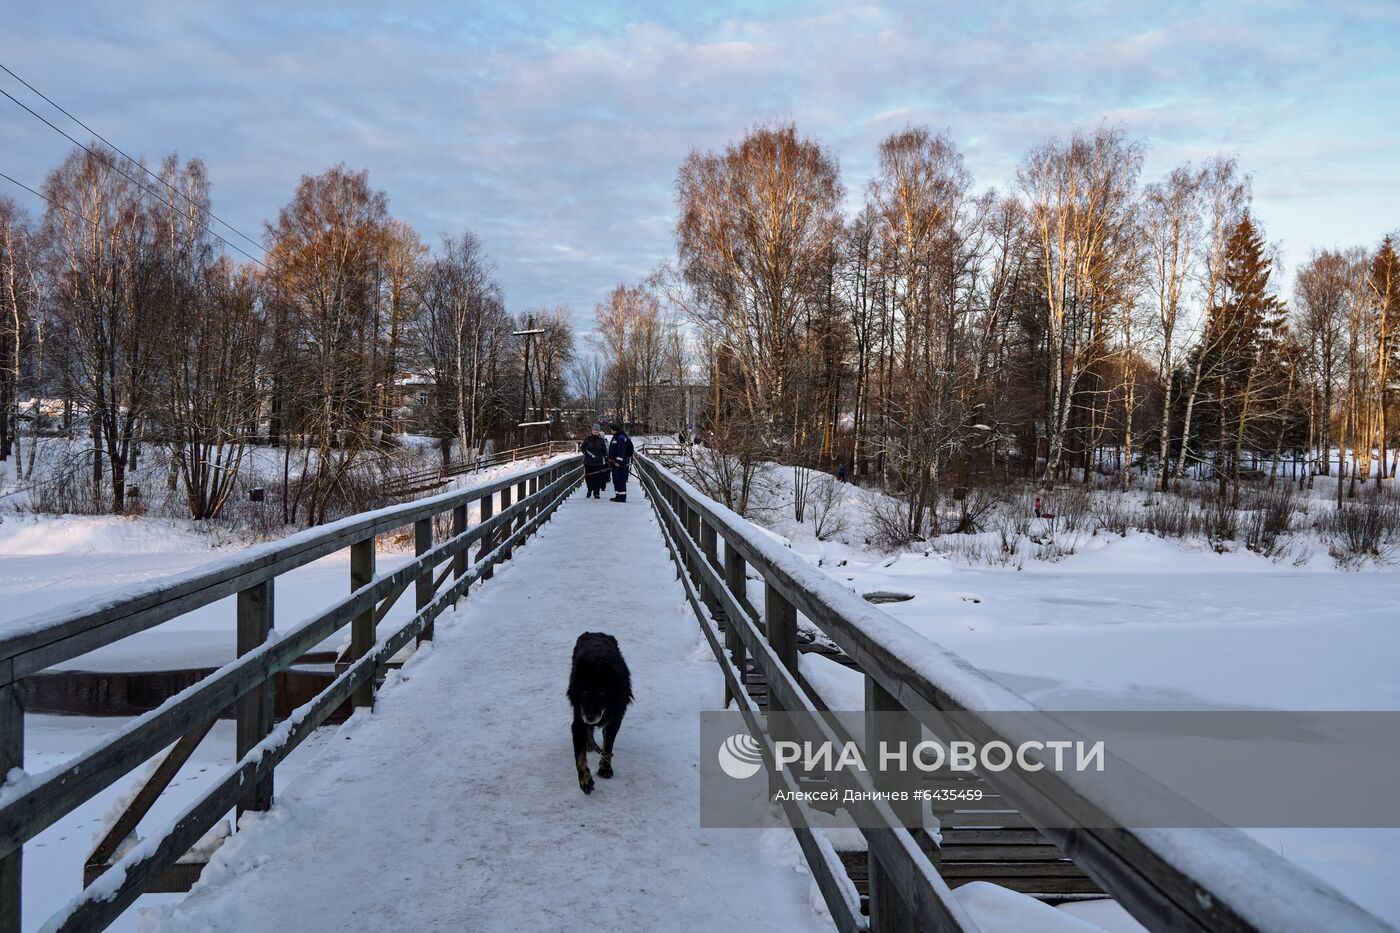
x,y
1245,343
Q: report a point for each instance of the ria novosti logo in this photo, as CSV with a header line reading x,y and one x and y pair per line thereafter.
x,y
740,756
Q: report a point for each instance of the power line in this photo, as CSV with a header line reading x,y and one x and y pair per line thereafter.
x,y
52,203
31,190
52,103
118,169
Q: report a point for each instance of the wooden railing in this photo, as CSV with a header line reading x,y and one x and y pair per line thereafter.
x,y
1201,879
667,452
397,484
31,804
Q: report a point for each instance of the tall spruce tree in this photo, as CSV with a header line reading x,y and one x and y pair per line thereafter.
x,y
1245,341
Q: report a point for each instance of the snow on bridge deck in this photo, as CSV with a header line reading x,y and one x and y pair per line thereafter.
x,y
455,806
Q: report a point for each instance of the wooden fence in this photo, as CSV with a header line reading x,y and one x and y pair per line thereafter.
x,y
415,481
1200,879
31,804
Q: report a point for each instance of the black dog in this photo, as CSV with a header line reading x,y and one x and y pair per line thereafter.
x,y
600,687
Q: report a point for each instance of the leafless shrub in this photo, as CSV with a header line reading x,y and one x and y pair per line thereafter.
x,y
1011,529
1064,512
974,509
1268,517
1365,527
726,477
1219,520
1167,516
801,492
1005,552
888,522
828,518
70,492
1113,515
1052,549
442,526
260,520
1015,519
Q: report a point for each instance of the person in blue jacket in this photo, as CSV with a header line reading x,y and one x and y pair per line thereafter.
x,y
620,459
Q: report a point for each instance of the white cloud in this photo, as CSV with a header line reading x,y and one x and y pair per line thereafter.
x,y
555,134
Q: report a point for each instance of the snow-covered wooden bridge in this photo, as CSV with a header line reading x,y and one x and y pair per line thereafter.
x,y
454,806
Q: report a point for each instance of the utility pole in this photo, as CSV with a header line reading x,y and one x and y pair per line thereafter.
x,y
526,384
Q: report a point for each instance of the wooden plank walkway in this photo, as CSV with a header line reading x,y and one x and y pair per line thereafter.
x,y
456,806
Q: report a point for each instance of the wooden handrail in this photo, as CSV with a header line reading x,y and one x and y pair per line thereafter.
x,y
1168,879
56,635
402,482
30,806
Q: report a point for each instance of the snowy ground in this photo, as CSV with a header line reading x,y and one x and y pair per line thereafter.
x,y
1123,623
455,806
52,561
1140,622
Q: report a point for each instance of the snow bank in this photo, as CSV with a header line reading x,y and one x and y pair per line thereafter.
x,y
840,687
1000,910
37,535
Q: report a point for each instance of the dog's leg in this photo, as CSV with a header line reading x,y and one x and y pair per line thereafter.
x,y
592,741
581,734
605,769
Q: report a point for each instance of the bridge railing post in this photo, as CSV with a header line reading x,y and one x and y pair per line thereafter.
x,y
780,623
709,545
423,586
362,627
677,508
461,559
11,756
889,910
503,533
522,492
692,529
255,709
488,503
735,578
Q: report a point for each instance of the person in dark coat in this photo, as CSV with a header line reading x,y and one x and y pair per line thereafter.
x,y
620,459
595,462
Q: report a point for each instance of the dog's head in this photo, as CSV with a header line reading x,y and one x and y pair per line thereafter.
x,y
592,703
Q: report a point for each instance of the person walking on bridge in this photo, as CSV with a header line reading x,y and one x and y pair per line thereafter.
x,y
620,459
595,462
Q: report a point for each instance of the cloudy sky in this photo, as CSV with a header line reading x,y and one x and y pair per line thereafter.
x,y
554,131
